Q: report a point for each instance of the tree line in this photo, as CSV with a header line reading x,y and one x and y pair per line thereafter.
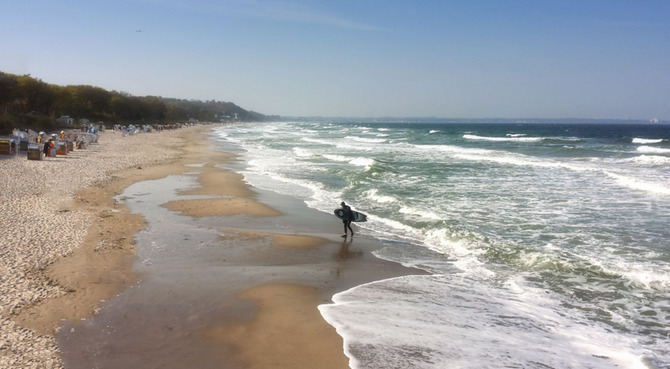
x,y
27,102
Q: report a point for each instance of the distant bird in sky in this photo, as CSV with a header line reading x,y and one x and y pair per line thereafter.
x,y
139,30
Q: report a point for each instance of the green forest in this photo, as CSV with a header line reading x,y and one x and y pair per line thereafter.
x,y
27,102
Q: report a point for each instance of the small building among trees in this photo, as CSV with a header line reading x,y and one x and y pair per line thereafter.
x,y
65,119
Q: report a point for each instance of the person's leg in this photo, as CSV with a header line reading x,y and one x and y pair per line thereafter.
x,y
350,230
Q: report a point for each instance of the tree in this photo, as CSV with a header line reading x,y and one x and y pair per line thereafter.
x,y
9,90
27,101
35,95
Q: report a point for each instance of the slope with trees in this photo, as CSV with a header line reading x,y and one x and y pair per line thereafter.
x,y
27,102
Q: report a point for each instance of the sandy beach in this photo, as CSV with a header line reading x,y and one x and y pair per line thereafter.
x,y
70,245
67,244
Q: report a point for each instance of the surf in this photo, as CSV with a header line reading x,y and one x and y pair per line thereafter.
x,y
645,141
545,229
504,139
653,150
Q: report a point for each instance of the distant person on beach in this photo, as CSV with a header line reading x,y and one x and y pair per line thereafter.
x,y
47,148
347,217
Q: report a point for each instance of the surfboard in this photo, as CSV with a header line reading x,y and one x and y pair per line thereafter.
x,y
358,217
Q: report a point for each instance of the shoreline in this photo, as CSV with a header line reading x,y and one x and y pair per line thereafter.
x,y
295,268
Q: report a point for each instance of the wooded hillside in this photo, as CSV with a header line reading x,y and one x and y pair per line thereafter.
x,y
26,102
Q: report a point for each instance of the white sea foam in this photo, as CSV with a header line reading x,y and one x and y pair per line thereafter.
x,y
650,160
300,152
644,275
522,160
317,141
653,150
365,139
363,162
318,197
528,161
647,140
516,135
422,322
517,160
374,195
421,213
338,158
354,147
503,139
450,149
637,184
433,131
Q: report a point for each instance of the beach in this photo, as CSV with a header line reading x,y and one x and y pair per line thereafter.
x,y
67,245
70,258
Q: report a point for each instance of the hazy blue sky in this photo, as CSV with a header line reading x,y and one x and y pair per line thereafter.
x,y
502,58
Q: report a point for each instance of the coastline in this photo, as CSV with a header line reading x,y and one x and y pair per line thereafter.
x,y
294,267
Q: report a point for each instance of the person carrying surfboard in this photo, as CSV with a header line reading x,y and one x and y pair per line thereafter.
x,y
347,217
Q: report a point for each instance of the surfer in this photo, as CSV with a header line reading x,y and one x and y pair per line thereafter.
x,y
347,217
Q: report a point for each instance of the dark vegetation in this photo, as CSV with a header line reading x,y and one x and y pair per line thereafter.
x,y
27,102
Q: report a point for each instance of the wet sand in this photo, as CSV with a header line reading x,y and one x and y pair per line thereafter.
x,y
220,275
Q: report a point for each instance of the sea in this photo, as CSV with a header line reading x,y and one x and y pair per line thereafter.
x,y
546,245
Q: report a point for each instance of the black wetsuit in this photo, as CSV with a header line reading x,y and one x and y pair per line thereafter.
x,y
347,217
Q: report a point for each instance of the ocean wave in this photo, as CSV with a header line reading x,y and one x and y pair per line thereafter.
x,y
300,152
636,184
363,162
647,140
450,149
320,142
374,195
421,322
367,163
654,150
501,157
563,139
338,158
433,131
504,158
522,160
517,160
519,137
650,160
423,214
366,140
503,139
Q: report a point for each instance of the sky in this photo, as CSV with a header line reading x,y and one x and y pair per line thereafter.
x,y
604,59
